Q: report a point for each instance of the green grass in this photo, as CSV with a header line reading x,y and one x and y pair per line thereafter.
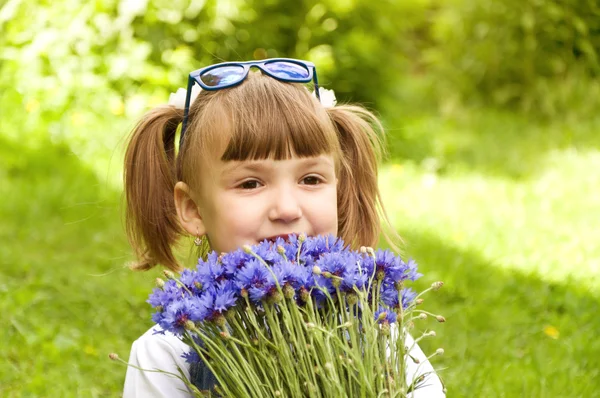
x,y
500,208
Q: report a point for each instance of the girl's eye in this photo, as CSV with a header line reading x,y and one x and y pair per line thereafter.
x,y
250,184
311,180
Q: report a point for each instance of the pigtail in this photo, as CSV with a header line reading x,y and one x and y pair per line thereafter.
x,y
149,177
361,212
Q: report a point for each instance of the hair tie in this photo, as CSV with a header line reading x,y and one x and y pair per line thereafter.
x,y
177,99
328,99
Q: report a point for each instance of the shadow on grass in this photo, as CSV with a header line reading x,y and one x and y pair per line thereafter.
x,y
507,333
486,141
67,299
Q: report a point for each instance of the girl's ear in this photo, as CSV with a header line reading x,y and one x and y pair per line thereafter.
x,y
187,210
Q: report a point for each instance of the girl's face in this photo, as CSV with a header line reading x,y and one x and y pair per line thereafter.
x,y
245,202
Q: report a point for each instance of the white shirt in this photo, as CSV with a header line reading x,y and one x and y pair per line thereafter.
x,y
163,351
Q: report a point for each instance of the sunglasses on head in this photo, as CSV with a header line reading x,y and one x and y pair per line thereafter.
x,y
229,74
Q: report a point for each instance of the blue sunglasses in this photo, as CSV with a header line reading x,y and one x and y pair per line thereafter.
x,y
229,74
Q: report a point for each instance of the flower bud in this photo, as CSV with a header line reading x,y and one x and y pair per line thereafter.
x,y
229,315
351,298
370,251
336,282
301,237
247,249
224,334
310,325
288,291
439,351
382,316
281,250
274,297
316,270
399,285
414,359
219,320
255,341
198,285
363,249
189,325
159,283
168,274
113,356
304,294
327,274
422,316
440,318
385,328
430,333
419,301
159,308
379,275
244,293
277,393
437,285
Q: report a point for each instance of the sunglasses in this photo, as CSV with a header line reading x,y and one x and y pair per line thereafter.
x,y
230,74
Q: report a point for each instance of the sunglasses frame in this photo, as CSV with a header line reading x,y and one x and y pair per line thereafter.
x,y
195,77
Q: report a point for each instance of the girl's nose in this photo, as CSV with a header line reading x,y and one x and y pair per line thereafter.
x,y
285,206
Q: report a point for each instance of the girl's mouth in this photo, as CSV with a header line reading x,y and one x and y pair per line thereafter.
x,y
273,238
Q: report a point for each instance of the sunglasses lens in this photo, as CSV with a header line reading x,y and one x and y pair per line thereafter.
x,y
223,76
287,70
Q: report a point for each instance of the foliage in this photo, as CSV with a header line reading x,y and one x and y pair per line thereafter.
x,y
514,52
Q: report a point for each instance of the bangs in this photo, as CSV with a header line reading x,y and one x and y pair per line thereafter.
x,y
265,118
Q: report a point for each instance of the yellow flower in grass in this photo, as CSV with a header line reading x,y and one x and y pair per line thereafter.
x,y
551,332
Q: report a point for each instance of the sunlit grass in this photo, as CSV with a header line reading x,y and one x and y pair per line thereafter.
x,y
543,225
520,258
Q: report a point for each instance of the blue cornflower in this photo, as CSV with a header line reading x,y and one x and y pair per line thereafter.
x,y
389,296
175,315
411,270
235,260
162,297
385,315
267,250
191,280
216,301
191,356
210,272
314,247
391,269
256,279
340,265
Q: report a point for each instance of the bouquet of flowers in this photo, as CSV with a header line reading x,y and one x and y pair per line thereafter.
x,y
297,317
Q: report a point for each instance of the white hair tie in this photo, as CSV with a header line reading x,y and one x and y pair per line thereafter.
x,y
177,99
328,99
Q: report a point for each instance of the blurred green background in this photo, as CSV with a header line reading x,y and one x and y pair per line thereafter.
x,y
492,177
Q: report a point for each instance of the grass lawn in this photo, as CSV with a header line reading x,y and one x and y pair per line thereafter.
x,y
499,208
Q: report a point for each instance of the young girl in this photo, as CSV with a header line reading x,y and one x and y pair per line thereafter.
x,y
259,157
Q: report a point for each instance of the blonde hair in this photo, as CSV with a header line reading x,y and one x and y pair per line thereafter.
x,y
261,118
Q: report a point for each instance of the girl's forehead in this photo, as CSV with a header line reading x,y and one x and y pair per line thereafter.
x,y
294,160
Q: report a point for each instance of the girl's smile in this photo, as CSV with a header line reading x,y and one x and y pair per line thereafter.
x,y
246,202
